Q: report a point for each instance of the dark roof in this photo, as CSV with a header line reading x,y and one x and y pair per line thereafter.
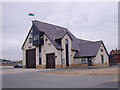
x,y
60,35
81,41
83,47
55,32
88,49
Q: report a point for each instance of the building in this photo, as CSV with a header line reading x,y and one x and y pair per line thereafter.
x,y
114,57
6,62
52,46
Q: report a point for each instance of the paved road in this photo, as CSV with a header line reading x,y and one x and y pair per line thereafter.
x,y
34,79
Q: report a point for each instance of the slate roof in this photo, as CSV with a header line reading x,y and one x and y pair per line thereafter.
x,y
60,35
83,47
88,49
55,32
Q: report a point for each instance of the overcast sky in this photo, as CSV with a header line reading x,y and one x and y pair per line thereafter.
x,y
86,20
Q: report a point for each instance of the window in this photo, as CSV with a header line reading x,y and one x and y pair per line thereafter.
x,y
102,58
30,40
40,59
101,50
66,41
46,39
40,55
41,37
84,61
36,37
59,41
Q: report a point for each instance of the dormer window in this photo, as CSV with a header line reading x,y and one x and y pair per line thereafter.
x,y
59,41
36,37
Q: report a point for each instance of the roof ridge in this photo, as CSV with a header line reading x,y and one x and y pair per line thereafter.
x,y
90,42
82,39
49,24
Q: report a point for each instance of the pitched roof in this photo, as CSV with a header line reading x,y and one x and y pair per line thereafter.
x,y
83,47
60,35
88,49
55,32
115,52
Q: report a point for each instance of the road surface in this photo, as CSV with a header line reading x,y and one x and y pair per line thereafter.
x,y
33,78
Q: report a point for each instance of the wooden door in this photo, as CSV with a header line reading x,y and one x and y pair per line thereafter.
x,y
31,58
50,60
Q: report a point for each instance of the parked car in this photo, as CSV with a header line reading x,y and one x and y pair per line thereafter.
x,y
17,66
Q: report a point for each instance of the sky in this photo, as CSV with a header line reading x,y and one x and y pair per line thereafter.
x,y
86,20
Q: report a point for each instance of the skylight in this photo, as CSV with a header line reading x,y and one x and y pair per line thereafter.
x,y
57,29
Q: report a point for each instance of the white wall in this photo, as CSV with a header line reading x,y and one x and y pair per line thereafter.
x,y
47,48
69,46
97,59
75,60
24,57
28,46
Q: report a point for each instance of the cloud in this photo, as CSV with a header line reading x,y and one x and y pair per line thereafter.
x,y
91,21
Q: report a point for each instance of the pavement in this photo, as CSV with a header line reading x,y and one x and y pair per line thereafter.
x,y
33,78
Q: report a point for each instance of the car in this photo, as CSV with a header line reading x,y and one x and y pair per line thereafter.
x,y
17,66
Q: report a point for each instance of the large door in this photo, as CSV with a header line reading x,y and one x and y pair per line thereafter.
x,y
50,60
31,58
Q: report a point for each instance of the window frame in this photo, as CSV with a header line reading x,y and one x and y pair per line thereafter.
x,y
36,37
84,60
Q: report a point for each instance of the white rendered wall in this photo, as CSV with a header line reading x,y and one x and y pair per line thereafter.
x,y
69,46
28,46
97,59
48,48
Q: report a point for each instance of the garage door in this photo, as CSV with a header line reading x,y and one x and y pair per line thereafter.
x,y
31,58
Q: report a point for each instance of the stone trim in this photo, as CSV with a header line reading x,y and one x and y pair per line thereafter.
x,y
72,66
41,66
59,66
23,66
